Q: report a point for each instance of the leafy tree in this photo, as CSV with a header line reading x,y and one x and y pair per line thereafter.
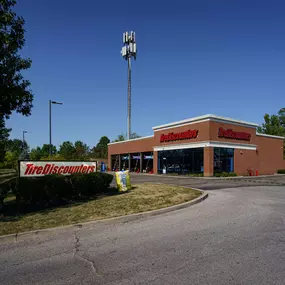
x,y
4,136
41,153
67,150
11,159
17,147
45,150
81,150
15,94
123,137
274,125
36,153
101,149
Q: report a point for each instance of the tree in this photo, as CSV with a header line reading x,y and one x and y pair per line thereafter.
x,y
17,147
15,94
39,153
274,125
101,149
123,137
4,136
67,150
36,153
11,159
45,150
81,150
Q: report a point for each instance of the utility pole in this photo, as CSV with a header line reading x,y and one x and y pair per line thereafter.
x,y
50,144
129,50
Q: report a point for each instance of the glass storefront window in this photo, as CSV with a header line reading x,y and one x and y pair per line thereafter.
x,y
147,163
125,161
223,160
115,162
181,161
135,162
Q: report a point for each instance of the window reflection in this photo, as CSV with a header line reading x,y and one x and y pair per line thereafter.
x,y
223,160
181,161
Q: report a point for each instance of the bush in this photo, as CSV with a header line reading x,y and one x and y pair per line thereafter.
x,y
232,174
54,189
58,187
108,178
196,174
225,174
30,190
92,183
4,189
281,171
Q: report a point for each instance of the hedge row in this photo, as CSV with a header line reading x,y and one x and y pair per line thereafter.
x,y
281,171
54,189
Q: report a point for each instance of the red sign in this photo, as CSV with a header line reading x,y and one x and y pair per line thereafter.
x,y
179,136
230,134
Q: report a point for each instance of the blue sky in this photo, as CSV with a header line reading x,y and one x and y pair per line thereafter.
x,y
194,57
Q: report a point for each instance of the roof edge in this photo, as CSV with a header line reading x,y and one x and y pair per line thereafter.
x,y
141,138
270,136
208,117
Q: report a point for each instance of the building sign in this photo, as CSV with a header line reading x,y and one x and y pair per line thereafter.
x,y
41,168
230,134
191,134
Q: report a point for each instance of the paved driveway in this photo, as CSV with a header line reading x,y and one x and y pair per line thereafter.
x,y
236,236
211,183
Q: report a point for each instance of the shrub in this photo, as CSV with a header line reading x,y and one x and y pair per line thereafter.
x,y
87,185
225,174
5,187
58,187
92,183
54,189
281,171
232,174
196,174
108,178
30,190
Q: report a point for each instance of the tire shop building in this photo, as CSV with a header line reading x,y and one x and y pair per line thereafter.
x,y
205,144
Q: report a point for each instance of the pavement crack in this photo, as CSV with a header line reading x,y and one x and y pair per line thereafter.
x,y
77,255
76,245
92,264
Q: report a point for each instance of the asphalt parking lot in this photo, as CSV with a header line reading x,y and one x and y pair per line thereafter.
x,y
210,183
235,236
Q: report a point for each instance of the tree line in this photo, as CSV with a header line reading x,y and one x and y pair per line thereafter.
x,y
17,149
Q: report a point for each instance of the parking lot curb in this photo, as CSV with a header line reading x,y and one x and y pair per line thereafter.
x,y
122,219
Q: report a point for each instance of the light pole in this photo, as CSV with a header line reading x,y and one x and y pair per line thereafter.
x,y
50,145
24,150
24,132
129,50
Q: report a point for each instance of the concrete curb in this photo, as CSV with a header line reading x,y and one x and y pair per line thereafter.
x,y
122,219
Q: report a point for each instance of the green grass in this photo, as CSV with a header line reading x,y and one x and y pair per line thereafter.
x,y
143,197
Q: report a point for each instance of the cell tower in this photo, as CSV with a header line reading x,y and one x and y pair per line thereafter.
x,y
129,50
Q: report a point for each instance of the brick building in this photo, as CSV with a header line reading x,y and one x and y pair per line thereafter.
x,y
205,144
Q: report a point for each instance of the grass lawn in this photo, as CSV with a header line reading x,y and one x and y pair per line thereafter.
x,y
143,197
